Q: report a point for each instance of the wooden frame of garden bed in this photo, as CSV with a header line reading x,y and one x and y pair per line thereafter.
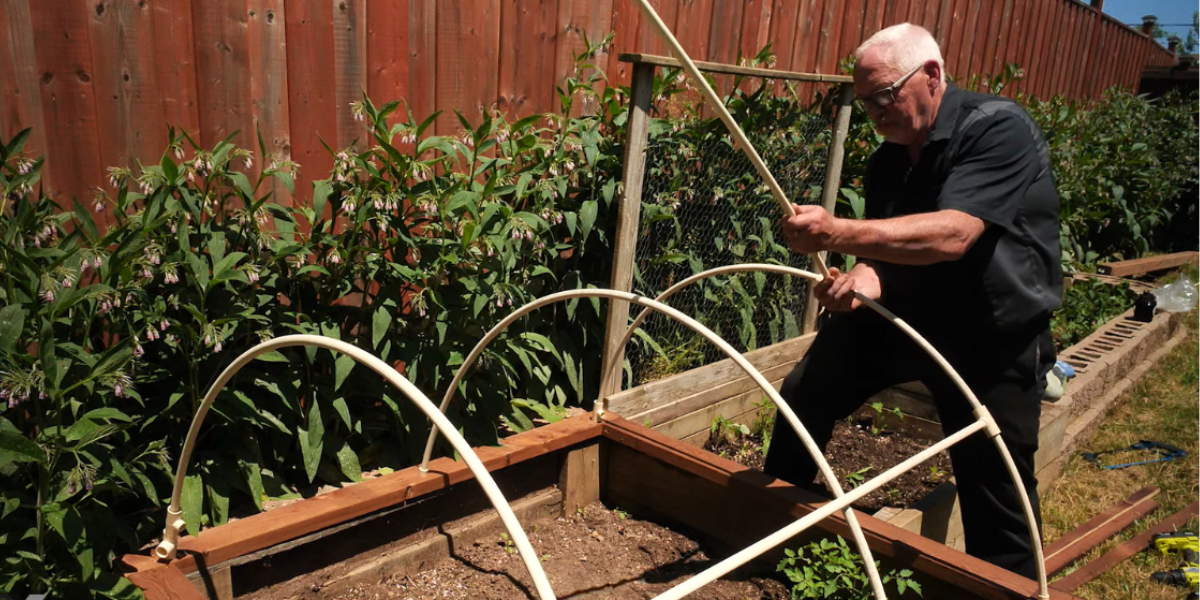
x,y
614,460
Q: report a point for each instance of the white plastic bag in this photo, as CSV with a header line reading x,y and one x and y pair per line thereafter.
x,y
1177,296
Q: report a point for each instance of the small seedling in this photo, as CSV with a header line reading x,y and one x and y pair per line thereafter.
x,y
831,569
893,494
857,478
935,473
508,544
581,511
622,515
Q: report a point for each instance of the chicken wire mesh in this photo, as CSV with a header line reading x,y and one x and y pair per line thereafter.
x,y
704,206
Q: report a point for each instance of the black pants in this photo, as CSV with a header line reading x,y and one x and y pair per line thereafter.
x,y
858,354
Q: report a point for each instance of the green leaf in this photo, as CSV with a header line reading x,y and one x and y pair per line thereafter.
x,y
343,411
587,218
222,270
12,323
348,462
243,184
199,269
170,171
321,191
15,447
341,370
312,440
216,246
192,502
381,322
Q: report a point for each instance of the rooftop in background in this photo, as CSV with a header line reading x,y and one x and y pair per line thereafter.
x,y
1174,16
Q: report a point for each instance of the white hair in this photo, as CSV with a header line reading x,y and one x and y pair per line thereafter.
x,y
904,47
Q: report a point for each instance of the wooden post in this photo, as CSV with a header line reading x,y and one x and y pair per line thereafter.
x,y
833,179
579,478
629,216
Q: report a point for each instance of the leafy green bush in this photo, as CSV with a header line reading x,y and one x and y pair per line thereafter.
x,y
832,570
1087,305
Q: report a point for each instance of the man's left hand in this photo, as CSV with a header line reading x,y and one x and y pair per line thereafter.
x,y
810,229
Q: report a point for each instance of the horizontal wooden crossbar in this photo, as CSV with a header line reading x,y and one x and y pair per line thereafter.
x,y
1139,266
724,69
267,529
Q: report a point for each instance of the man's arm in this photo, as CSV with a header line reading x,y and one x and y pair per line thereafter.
x,y
919,239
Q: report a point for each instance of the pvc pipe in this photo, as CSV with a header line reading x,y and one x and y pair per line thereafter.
x,y
734,129
166,550
860,539
754,550
978,409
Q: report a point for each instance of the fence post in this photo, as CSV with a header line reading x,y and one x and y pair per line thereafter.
x,y
628,219
833,178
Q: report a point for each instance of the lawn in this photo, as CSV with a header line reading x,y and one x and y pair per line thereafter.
x,y
1163,406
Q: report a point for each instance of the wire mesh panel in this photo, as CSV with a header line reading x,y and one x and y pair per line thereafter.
x,y
704,206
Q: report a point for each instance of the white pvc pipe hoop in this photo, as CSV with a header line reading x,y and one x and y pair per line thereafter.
x,y
985,420
166,550
858,536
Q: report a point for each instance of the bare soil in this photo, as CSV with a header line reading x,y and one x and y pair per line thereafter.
x,y
595,554
857,452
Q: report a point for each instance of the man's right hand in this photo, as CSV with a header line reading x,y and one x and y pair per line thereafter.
x,y
836,292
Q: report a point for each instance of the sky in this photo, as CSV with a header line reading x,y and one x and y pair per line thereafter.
x,y
1169,12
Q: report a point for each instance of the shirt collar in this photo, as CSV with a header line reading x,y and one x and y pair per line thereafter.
x,y
947,117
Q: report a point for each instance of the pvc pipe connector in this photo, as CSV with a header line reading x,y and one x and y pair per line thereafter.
x,y
990,426
168,547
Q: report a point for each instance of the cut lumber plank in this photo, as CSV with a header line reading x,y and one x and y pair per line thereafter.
x,y
1118,555
165,583
1138,266
1082,539
264,530
728,69
696,381
765,495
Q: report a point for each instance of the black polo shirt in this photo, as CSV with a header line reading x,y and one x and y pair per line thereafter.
x,y
986,157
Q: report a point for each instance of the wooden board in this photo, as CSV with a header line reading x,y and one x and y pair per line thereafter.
x,y
20,95
422,60
67,90
264,530
387,52
460,86
175,49
1127,268
1119,554
703,400
1078,542
349,70
269,91
131,122
311,90
165,583
711,67
533,27
223,73
696,382
743,504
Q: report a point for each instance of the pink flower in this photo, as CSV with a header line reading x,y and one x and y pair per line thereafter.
x,y
217,348
163,325
48,296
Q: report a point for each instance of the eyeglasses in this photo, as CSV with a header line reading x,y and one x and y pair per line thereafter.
x,y
885,97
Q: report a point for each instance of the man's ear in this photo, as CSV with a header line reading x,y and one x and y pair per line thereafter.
x,y
934,71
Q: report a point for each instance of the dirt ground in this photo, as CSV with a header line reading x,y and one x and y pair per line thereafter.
x,y
595,554
853,448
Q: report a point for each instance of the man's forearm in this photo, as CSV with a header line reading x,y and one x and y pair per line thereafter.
x,y
920,239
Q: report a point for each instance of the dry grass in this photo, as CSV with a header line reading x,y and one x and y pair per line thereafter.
x,y
1163,406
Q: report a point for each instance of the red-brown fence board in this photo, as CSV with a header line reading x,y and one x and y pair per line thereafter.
x,y
60,39
422,64
523,87
266,28
223,72
468,45
311,89
581,22
20,98
175,52
349,67
648,39
129,119
99,81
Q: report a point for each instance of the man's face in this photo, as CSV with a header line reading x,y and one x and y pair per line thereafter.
x,y
907,118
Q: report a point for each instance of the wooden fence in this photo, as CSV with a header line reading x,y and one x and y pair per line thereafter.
x,y
99,81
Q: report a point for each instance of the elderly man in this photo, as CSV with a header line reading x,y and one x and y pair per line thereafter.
x,y
961,241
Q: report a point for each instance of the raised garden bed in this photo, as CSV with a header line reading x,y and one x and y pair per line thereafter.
x,y
1107,363
404,523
